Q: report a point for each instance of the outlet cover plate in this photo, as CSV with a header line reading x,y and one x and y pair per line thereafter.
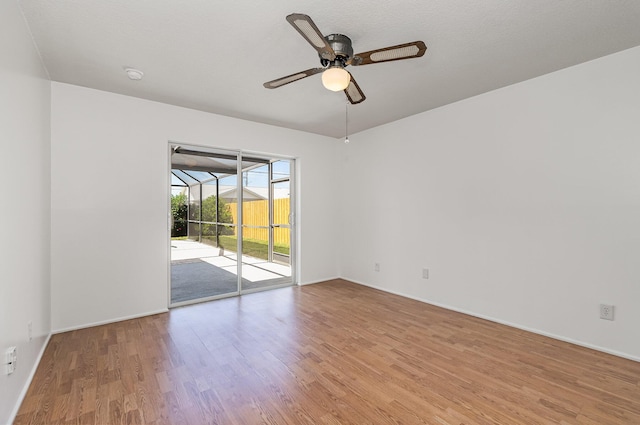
x,y
606,311
11,356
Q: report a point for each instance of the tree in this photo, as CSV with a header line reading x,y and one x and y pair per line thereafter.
x,y
209,214
179,214
179,211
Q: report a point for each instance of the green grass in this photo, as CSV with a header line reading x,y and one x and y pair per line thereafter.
x,y
252,247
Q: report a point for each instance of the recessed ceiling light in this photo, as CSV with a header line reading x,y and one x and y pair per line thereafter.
x,y
134,74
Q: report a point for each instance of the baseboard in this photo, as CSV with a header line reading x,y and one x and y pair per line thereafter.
x,y
106,322
27,384
313,282
503,322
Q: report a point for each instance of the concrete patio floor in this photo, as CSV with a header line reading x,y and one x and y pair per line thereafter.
x,y
200,271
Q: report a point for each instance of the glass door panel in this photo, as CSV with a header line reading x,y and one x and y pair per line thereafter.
x,y
281,225
255,225
201,267
260,268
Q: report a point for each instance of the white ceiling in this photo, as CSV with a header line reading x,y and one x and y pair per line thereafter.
x,y
214,55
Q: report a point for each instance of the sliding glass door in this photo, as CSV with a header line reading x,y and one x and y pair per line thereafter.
x,y
230,223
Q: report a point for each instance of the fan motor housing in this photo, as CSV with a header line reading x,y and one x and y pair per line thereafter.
x,y
341,45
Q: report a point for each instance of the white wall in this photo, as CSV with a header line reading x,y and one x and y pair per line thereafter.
x,y
524,203
109,198
25,99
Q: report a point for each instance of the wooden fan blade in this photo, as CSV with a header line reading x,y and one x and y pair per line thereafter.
x,y
274,84
305,26
392,53
354,93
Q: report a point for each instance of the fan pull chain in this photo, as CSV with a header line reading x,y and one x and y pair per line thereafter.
x,y
346,122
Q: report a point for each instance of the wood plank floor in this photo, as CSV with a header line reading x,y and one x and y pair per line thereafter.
x,y
330,353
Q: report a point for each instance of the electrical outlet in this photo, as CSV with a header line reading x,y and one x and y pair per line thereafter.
x,y
11,357
376,267
606,311
425,273
30,330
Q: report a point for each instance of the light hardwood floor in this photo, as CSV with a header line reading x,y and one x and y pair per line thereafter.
x,y
330,353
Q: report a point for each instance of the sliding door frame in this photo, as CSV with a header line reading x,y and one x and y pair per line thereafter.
x,y
240,214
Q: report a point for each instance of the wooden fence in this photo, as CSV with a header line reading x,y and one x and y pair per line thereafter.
x,y
256,213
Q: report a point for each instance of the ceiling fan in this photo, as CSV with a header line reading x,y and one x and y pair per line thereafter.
x,y
336,53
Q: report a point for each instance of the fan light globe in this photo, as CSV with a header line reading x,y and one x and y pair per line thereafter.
x,y
335,78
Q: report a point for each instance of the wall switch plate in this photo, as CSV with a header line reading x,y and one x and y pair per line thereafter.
x,y
425,273
11,357
606,311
